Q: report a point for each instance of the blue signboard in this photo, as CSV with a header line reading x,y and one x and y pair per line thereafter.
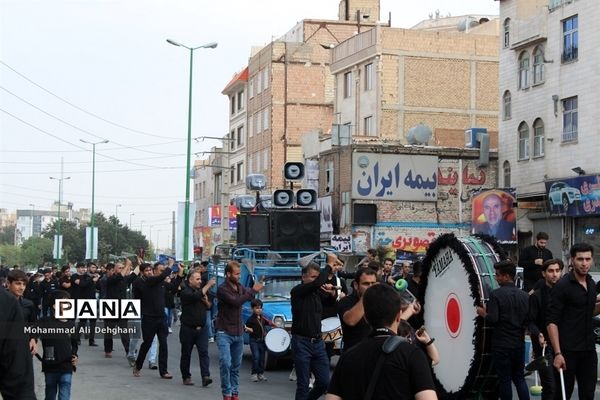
x,y
574,197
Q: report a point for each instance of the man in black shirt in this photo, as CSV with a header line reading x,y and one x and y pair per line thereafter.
x,y
569,317
150,289
532,258
84,287
47,286
538,304
194,306
508,311
307,345
17,282
405,373
116,281
351,310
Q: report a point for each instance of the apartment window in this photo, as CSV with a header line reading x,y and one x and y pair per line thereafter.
x,y
524,70
259,120
506,171
538,138
569,133
368,126
538,65
259,82
523,141
506,41
348,84
217,188
240,171
329,177
265,119
232,104
231,140
232,175
250,126
251,88
570,38
369,76
257,162
265,78
256,123
240,136
240,100
506,104
265,160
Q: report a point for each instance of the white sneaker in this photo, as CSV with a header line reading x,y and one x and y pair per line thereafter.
x,y
211,340
170,330
254,377
293,375
262,377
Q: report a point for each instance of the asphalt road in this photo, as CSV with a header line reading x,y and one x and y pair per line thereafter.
x,y
111,378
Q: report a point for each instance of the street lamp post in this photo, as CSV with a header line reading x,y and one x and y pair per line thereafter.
x,y
130,215
116,222
58,252
186,227
32,212
93,189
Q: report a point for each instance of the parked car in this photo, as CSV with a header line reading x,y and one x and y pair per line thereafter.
x,y
563,195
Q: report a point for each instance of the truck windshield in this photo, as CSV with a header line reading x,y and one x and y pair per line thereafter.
x,y
278,288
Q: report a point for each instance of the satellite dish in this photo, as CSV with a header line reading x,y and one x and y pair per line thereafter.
x,y
419,134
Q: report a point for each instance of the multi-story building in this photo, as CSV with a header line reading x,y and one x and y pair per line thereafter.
x,y
548,133
291,89
387,81
33,221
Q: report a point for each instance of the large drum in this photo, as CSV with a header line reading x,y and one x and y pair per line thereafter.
x,y
278,341
458,275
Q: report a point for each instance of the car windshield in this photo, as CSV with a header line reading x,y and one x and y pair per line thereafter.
x,y
278,288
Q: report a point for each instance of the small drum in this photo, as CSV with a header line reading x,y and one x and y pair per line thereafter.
x,y
278,341
332,329
458,275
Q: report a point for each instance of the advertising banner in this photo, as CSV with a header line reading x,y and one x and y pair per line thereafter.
x,y
574,197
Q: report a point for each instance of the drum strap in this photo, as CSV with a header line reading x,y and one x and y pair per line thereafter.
x,y
388,347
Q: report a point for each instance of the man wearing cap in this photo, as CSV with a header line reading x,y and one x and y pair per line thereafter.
x,y
47,286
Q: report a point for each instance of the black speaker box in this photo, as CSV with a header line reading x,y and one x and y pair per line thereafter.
x,y
295,230
364,214
253,229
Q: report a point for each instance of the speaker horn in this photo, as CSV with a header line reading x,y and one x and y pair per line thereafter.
x,y
293,171
306,197
283,198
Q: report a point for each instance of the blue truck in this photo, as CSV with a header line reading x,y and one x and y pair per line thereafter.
x,y
280,272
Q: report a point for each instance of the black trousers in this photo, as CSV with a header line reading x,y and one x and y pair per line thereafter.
x,y
546,373
108,338
190,337
581,365
152,326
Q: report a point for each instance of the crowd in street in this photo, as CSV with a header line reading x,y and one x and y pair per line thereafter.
x,y
387,351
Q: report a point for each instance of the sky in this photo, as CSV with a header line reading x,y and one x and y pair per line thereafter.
x,y
102,70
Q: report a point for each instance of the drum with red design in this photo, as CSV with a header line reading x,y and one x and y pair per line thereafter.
x,y
458,275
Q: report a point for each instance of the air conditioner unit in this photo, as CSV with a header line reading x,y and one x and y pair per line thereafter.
x,y
472,137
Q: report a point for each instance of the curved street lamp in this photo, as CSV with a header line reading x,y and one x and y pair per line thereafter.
x,y
186,227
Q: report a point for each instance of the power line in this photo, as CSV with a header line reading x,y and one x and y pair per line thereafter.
x,y
81,109
73,126
103,149
80,147
84,162
85,195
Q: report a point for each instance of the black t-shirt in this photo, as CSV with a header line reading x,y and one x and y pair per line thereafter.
x,y
352,334
405,372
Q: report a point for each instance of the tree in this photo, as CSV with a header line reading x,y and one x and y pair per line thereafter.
x,y
10,254
36,251
7,234
74,238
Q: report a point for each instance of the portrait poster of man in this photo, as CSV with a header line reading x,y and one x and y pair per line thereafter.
x,y
493,214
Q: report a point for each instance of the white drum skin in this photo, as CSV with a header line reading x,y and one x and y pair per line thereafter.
x,y
278,341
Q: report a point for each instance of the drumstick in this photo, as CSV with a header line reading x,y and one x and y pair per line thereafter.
x,y
562,384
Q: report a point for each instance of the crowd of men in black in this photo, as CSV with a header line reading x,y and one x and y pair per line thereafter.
x,y
387,352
